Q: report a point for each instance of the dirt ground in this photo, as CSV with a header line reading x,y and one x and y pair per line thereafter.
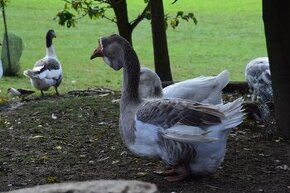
x,y
74,137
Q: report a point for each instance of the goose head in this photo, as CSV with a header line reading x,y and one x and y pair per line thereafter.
x,y
111,48
118,53
49,36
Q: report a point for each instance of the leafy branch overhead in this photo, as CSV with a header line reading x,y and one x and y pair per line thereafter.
x,y
3,3
74,10
92,9
181,15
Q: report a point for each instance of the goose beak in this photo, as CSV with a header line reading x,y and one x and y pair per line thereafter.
x,y
97,53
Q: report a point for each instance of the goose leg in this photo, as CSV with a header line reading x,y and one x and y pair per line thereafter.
x,y
56,90
175,174
41,92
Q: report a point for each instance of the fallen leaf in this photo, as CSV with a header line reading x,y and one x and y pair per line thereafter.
x,y
115,161
53,116
124,153
103,159
44,158
283,167
279,139
141,174
212,187
116,101
103,95
37,136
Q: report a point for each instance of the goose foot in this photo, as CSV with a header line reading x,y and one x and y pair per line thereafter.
x,y
175,174
166,172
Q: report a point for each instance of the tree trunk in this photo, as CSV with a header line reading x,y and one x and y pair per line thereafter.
x,y
161,56
121,12
276,16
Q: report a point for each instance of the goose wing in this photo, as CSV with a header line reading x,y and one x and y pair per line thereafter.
x,y
168,112
179,120
180,124
47,68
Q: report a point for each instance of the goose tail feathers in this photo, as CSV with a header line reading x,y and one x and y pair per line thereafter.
x,y
234,114
30,74
188,134
223,79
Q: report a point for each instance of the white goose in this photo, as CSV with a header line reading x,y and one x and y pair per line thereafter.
x,y
189,137
47,71
204,89
258,76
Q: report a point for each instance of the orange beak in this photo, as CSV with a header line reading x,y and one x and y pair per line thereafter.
x,y
98,52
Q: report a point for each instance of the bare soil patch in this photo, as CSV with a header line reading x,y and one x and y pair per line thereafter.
x,y
74,137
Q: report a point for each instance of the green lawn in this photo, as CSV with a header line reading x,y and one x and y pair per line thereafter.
x,y
228,34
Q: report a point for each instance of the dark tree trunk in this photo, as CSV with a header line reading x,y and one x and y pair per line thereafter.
x,y
276,16
124,27
161,56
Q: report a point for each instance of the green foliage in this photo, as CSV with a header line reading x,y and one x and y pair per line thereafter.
x,y
51,179
3,3
181,15
93,9
66,18
96,9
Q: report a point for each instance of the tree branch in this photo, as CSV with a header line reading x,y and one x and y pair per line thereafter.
x,y
174,2
112,20
85,9
135,22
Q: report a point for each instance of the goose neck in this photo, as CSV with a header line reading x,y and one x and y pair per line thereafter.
x,y
50,52
131,76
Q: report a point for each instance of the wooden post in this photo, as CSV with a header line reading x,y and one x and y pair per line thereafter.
x,y
6,35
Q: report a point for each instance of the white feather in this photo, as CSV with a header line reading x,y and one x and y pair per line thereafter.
x,y
145,141
188,134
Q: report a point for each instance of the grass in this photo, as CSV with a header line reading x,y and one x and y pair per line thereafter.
x,y
228,35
